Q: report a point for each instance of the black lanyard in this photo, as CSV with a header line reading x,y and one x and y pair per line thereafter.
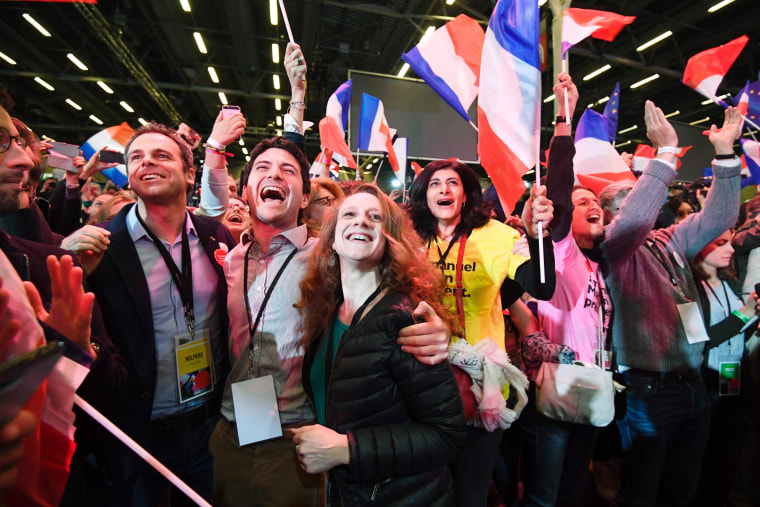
x,y
330,333
183,280
252,328
442,256
666,265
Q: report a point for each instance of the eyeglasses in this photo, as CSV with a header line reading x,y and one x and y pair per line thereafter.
x,y
325,201
239,207
6,139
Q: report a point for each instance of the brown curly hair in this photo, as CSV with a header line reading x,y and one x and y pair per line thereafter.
x,y
404,266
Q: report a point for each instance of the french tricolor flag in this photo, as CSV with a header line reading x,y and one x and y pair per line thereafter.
x,y
705,71
510,98
449,62
374,133
577,24
596,162
332,128
115,138
645,154
752,157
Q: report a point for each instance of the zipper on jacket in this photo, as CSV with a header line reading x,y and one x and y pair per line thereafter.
x,y
377,486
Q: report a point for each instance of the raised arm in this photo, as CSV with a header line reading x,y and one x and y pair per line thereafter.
x,y
214,191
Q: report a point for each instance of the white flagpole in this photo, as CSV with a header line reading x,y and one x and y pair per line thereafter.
x,y
567,106
285,19
357,163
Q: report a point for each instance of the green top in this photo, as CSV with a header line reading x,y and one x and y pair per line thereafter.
x,y
317,377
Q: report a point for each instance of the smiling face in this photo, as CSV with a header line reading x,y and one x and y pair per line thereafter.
x,y
237,218
156,169
359,238
15,164
445,196
718,253
275,189
587,218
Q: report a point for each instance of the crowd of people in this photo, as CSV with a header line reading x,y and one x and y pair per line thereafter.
x,y
295,341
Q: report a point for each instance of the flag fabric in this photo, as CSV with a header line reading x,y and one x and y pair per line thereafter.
x,y
374,133
645,153
751,150
509,102
333,138
449,62
577,24
748,102
742,103
114,138
596,162
705,71
324,166
611,110
338,103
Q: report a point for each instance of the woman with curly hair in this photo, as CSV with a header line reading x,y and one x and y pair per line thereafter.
x,y
475,255
387,424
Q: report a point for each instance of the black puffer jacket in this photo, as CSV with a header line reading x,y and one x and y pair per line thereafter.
x,y
404,419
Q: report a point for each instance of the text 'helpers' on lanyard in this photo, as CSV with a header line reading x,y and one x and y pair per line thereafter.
x,y
183,280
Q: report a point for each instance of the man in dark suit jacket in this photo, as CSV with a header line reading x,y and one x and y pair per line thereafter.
x,y
156,310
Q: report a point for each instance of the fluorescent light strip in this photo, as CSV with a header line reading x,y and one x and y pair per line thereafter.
x,y
629,129
76,61
279,132
674,113
403,71
44,83
245,150
276,81
603,100
185,4
275,53
126,107
278,104
549,98
654,41
279,121
241,142
450,2
96,119
623,144
36,25
199,42
212,74
7,58
644,81
598,71
719,6
700,121
273,12
223,98
105,87
709,101
142,121
247,158
428,32
74,104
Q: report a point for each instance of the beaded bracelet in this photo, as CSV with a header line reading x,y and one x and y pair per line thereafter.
x,y
298,104
213,149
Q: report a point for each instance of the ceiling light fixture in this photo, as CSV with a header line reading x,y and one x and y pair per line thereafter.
x,y
74,104
674,113
199,42
598,71
710,101
719,6
241,142
36,25
244,150
623,144
450,2
279,121
654,41
126,107
549,98
275,53
223,98
212,75
44,83
428,32
629,129
273,12
603,100
403,71
105,87
185,4
7,58
644,81
142,121
278,104
76,61
276,81
96,119
707,118
247,158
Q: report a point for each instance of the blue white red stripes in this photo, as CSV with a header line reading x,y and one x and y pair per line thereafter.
x,y
374,133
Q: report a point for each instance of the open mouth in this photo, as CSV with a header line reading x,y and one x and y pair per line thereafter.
x,y
235,218
272,193
149,177
445,202
594,219
358,237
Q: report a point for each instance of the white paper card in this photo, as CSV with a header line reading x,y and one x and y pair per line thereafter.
x,y
256,413
692,322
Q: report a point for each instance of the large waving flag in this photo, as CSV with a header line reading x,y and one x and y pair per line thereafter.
x,y
596,162
332,128
577,24
374,133
449,61
705,71
611,110
114,138
645,153
509,104
752,157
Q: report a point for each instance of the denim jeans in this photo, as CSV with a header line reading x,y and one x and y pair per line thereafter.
x,y
664,434
555,458
474,465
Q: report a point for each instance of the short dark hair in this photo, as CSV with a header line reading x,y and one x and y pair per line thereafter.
x,y
157,128
474,215
282,144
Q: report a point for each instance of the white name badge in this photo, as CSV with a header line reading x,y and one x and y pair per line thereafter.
x,y
256,414
692,322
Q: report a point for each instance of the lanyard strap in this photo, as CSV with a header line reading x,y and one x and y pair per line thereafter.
x,y
459,290
601,345
330,333
661,259
183,280
252,328
442,256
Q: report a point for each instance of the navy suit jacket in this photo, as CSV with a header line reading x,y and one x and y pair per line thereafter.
x,y
122,291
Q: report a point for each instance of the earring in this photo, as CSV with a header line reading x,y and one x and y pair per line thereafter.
x,y
331,260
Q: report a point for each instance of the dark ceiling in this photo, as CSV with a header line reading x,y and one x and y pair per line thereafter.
x,y
145,51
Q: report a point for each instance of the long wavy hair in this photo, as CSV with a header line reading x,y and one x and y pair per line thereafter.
x,y
404,266
474,214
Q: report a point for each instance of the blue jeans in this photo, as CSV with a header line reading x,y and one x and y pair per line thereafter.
x,y
555,458
664,434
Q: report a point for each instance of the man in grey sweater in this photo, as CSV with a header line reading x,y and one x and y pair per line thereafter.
x,y
657,328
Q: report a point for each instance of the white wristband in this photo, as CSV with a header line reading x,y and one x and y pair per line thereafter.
x,y
215,144
675,150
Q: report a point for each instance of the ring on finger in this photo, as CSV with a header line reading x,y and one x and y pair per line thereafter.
x,y
299,61
546,208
